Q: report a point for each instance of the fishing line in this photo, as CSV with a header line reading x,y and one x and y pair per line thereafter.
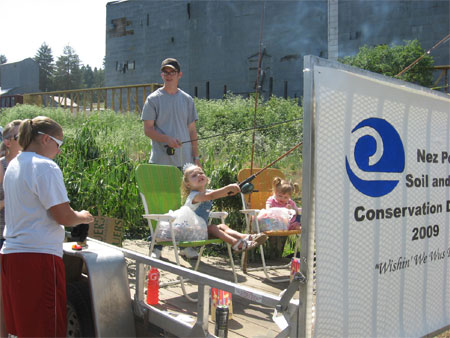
x,y
245,256
247,187
421,57
171,151
242,130
257,83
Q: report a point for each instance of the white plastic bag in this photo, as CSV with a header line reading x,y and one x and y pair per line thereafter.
x,y
274,219
187,226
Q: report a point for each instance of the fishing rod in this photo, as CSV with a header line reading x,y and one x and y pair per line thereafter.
x,y
258,70
171,151
421,57
247,187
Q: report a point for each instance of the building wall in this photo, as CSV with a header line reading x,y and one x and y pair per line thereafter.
x,y
217,42
22,77
372,23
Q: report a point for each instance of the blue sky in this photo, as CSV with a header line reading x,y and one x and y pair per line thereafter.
x,y
26,24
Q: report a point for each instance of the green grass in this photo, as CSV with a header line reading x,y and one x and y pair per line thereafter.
x,y
101,151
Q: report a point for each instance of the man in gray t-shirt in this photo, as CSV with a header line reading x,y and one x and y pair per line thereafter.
x,y
169,117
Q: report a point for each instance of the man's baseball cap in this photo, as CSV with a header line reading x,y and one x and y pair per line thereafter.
x,y
171,63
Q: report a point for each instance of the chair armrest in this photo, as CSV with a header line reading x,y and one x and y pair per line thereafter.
x,y
159,217
218,214
251,212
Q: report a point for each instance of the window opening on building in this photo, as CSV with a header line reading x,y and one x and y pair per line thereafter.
x,y
120,27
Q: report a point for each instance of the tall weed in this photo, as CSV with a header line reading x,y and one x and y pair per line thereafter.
x,y
101,151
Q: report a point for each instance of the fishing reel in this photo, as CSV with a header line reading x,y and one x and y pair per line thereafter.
x,y
170,151
246,188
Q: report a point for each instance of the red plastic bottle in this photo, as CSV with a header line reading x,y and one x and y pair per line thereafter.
x,y
153,286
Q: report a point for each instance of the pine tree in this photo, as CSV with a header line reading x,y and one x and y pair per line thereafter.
x,y
44,58
68,73
88,76
99,77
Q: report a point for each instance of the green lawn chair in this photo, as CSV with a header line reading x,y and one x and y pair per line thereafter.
x,y
159,187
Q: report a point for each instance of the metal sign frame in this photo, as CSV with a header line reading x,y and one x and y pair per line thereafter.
x,y
305,318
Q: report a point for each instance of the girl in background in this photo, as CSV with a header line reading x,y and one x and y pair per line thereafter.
x,y
199,199
10,147
36,209
281,198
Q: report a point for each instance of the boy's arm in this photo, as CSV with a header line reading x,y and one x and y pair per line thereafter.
x,y
229,190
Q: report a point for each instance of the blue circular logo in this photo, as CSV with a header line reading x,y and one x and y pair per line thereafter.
x,y
382,153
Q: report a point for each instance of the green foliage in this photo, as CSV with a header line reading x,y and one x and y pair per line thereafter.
x,y
88,76
102,150
392,60
92,78
98,159
44,59
99,78
68,72
235,113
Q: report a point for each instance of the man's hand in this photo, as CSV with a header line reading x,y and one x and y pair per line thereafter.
x,y
173,142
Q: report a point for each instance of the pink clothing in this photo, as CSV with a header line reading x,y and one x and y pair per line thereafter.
x,y
293,223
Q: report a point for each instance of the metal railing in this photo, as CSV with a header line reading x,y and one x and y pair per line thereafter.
x,y
118,98
443,76
285,305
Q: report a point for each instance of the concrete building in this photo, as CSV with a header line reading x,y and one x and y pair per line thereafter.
x,y
19,77
217,42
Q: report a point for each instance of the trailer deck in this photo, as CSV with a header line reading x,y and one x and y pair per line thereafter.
x,y
249,319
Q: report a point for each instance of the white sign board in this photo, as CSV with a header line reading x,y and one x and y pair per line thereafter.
x,y
381,201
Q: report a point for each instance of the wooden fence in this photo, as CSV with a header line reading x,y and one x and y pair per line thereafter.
x,y
119,98
132,97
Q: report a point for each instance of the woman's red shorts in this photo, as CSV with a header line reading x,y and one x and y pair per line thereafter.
x,y
34,294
